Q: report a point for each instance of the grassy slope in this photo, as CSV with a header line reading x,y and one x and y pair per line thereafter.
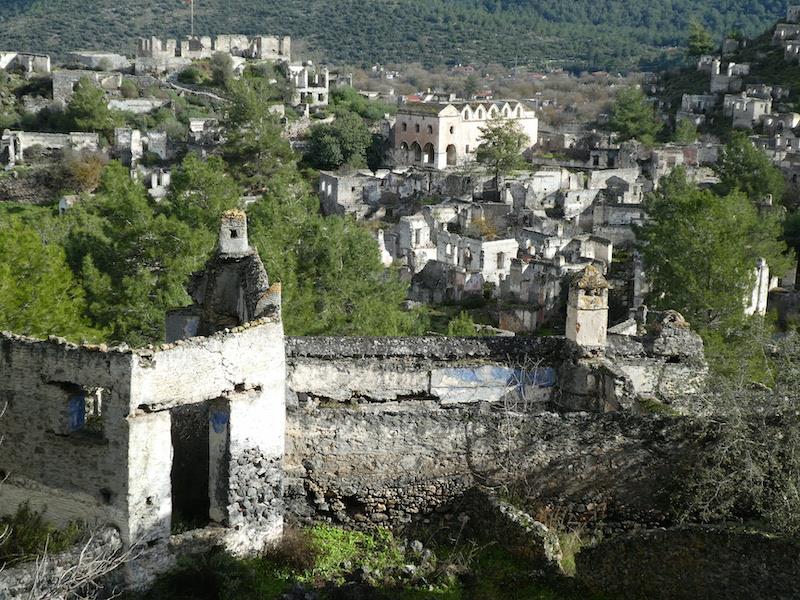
x,y
602,32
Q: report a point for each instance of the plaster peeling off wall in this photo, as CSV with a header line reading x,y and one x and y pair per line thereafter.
x,y
450,371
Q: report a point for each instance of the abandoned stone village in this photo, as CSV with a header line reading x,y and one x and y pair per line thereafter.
x,y
231,430
357,431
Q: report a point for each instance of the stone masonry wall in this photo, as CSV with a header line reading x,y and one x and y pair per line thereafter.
x,y
18,581
692,562
394,461
386,430
449,370
71,471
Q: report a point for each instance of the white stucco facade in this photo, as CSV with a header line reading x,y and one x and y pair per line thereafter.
x,y
447,135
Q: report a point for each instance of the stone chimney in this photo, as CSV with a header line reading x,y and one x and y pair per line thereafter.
x,y
233,233
587,308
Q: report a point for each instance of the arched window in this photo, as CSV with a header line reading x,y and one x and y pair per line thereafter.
x,y
479,113
416,127
428,154
452,130
405,126
430,128
451,155
404,152
417,151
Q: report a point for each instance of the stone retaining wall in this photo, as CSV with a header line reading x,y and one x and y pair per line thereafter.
x,y
393,462
693,562
42,574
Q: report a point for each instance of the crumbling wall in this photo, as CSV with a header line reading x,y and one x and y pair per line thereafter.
x,y
19,581
88,432
384,430
393,462
692,562
72,470
449,370
242,372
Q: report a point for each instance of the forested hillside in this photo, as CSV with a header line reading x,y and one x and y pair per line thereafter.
x,y
598,33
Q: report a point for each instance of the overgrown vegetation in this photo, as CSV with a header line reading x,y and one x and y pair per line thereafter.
x,y
609,34
111,267
338,564
30,535
747,467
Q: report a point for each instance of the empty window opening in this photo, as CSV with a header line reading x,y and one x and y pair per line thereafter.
x,y
190,467
234,234
84,409
428,153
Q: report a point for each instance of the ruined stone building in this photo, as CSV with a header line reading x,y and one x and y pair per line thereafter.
x,y
746,112
156,56
310,84
14,143
65,82
442,135
26,62
193,430
99,61
222,429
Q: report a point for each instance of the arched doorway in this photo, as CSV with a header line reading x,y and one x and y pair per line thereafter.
x,y
428,154
451,155
417,151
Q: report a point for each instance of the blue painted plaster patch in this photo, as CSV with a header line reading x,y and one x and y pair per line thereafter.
x,y
219,420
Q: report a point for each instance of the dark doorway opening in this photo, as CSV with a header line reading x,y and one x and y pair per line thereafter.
x,y
190,501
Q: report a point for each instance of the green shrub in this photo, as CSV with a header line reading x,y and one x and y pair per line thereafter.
x,y
30,534
128,89
191,75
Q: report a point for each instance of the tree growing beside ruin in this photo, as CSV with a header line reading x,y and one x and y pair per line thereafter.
x,y
200,192
330,269
88,110
462,325
693,251
256,150
221,65
132,260
685,132
84,169
700,40
502,147
343,142
38,292
470,86
744,167
128,89
633,117
748,461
